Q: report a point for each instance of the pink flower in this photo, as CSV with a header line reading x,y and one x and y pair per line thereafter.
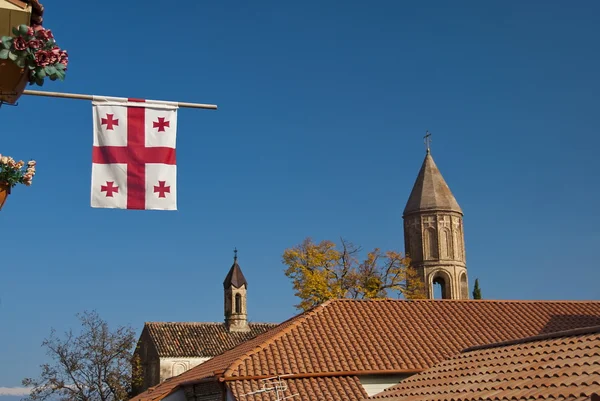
x,y
35,44
19,43
52,57
30,31
41,58
44,34
31,163
64,58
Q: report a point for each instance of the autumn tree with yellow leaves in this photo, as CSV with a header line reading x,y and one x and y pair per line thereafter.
x,y
322,271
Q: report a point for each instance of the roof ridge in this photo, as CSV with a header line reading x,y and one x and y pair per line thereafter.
x,y
298,319
207,323
539,337
545,301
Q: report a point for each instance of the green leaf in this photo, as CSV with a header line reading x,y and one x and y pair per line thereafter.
x,y
12,56
15,31
41,73
7,42
50,70
4,54
23,29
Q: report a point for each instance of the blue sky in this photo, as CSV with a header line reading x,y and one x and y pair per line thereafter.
x,y
322,111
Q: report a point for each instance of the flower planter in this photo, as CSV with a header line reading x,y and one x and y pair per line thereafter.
x,y
13,81
4,192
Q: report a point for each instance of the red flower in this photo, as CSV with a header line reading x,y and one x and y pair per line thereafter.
x,y
30,31
44,34
35,44
41,58
19,43
52,57
64,58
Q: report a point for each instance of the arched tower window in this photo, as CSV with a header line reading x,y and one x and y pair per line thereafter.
x,y
440,286
431,244
238,303
446,244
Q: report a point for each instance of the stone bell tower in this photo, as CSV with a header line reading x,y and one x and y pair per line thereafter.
x,y
433,233
235,286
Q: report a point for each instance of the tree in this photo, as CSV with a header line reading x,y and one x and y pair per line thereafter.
x,y
476,290
96,364
320,272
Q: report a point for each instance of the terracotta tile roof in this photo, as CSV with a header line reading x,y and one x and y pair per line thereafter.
x,y
559,366
392,336
344,388
190,339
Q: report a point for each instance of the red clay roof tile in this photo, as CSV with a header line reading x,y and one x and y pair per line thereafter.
x,y
559,366
385,335
345,388
190,339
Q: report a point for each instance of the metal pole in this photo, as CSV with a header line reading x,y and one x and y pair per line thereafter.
x,y
90,97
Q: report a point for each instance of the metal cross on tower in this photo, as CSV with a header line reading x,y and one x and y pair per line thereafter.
x,y
427,139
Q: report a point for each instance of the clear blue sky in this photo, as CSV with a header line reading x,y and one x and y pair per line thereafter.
x,y
322,110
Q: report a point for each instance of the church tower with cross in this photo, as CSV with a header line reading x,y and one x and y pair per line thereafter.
x,y
235,287
433,233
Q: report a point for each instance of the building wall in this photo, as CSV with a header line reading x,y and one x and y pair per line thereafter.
x,y
150,363
434,241
170,367
210,390
155,369
374,384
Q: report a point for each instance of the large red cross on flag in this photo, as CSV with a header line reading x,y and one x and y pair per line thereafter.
x,y
133,157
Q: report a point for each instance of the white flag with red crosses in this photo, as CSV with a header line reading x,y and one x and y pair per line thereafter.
x,y
133,156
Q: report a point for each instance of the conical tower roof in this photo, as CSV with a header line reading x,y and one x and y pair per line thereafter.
x,y
235,277
430,191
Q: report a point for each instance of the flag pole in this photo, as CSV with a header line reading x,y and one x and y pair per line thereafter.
x,y
90,97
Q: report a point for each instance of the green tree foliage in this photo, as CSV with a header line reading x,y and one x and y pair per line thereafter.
x,y
96,364
322,271
476,290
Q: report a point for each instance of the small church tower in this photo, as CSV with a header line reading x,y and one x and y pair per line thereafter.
x,y
433,233
235,287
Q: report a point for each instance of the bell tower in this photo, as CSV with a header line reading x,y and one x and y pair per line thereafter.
x,y
235,287
433,233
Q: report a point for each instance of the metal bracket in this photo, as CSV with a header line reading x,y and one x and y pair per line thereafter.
x,y
2,102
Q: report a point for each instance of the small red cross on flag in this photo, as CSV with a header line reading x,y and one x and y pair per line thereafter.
x,y
133,157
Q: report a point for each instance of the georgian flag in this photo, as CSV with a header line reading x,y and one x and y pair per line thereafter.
x,y
133,157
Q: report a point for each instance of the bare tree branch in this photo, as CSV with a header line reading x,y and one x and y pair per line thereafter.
x,y
95,365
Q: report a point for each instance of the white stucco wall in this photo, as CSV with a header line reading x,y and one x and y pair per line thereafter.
x,y
170,367
374,384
